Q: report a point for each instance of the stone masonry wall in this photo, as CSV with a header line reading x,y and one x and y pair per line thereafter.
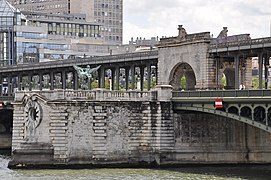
x,y
205,138
193,54
94,132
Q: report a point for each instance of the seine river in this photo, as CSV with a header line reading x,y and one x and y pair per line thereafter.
x,y
184,173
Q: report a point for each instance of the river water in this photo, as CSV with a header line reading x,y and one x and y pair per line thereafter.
x,y
184,173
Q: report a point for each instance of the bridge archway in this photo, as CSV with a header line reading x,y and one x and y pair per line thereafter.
x,y
6,120
229,73
233,110
259,114
182,72
246,112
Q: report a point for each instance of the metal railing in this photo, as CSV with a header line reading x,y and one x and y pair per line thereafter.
x,y
221,93
241,43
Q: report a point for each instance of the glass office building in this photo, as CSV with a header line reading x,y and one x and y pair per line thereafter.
x,y
109,13
27,37
8,18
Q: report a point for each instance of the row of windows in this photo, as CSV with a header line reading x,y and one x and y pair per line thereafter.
x,y
107,14
30,35
108,22
73,29
26,47
6,22
109,6
111,30
25,1
113,38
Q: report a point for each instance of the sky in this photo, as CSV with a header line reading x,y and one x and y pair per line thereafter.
x,y
152,18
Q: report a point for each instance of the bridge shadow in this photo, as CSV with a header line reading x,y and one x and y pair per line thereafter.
x,y
243,171
6,123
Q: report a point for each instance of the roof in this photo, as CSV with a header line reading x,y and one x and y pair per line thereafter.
x,y
6,9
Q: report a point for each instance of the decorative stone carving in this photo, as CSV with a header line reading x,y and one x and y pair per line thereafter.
x,y
223,33
33,118
182,32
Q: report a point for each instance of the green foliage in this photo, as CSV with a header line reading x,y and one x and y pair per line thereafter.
x,y
183,82
94,84
224,80
255,83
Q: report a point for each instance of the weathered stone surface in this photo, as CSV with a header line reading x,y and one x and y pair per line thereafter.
x,y
90,131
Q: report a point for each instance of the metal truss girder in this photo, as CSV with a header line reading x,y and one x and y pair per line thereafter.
x,y
228,115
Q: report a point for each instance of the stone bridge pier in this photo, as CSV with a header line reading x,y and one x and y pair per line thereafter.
x,y
116,128
97,127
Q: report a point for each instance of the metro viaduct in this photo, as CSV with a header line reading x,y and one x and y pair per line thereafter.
x,y
14,75
201,57
238,52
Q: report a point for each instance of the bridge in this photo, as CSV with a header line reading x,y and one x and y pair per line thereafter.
x,y
247,106
140,110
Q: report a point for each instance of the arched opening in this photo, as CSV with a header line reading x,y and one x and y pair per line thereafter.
x,y
269,117
246,112
229,76
183,77
6,121
233,110
259,114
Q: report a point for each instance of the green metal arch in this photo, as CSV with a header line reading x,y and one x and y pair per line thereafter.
x,y
228,115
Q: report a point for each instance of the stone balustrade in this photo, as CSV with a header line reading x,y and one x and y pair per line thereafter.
x,y
107,95
92,95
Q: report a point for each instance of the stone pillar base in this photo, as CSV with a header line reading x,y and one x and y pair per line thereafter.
x,y
32,154
164,92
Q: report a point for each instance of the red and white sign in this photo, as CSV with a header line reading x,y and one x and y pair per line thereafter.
x,y
218,103
1,105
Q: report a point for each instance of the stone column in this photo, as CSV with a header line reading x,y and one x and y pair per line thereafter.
x,y
113,72
133,76
127,69
40,81
19,82
117,77
63,79
236,64
260,61
102,77
52,81
30,82
9,81
141,78
149,76
75,80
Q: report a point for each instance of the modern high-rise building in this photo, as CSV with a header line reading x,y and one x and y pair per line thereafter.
x,y
109,13
32,37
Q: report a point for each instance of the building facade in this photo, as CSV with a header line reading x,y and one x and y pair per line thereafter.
x,y
48,6
28,37
107,12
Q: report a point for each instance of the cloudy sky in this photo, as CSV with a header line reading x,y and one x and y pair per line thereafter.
x,y
151,18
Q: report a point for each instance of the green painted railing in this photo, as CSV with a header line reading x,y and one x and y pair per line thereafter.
x,y
221,93
6,98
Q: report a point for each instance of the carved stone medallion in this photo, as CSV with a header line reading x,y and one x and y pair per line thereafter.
x,y
33,118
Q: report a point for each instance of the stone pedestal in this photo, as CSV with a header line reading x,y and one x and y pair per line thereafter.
x,y
32,154
164,92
